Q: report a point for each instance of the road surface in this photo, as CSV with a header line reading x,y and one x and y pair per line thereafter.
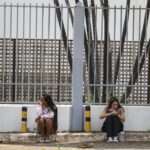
x,y
78,146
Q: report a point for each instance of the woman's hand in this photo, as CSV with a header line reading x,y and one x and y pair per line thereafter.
x,y
104,114
114,112
37,119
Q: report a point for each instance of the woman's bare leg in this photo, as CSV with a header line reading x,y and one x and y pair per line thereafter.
x,y
41,127
49,127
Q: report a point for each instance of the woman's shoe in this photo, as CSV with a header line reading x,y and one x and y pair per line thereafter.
x,y
42,140
115,139
47,140
110,140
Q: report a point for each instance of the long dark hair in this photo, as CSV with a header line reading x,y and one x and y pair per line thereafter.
x,y
111,101
49,102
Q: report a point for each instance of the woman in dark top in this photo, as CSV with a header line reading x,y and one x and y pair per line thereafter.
x,y
114,117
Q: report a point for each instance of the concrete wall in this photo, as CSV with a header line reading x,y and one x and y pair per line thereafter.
x,y
10,117
137,117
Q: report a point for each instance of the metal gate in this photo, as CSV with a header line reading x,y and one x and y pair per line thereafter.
x,y
36,53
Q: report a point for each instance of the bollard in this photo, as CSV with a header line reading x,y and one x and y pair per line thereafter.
x,y
87,119
24,120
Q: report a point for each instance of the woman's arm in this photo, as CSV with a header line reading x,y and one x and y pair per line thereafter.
x,y
38,113
37,118
121,114
104,114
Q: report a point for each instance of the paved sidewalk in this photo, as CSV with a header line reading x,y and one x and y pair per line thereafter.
x,y
77,146
32,138
74,141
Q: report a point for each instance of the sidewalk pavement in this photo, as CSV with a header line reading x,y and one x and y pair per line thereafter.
x,y
79,146
32,138
74,141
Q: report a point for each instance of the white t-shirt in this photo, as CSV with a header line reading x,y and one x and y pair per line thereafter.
x,y
45,113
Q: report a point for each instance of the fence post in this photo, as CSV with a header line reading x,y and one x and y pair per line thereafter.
x,y
14,71
77,72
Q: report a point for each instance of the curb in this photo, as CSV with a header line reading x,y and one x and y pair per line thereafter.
x,y
31,138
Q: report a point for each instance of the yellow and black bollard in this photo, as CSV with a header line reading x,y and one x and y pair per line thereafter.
x,y
24,120
87,119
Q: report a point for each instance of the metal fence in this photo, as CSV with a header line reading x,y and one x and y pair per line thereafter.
x,y
28,74
36,44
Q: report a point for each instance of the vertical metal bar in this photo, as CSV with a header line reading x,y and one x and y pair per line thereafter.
x,y
23,56
148,75
107,59
119,73
96,69
14,71
29,59
146,20
89,53
133,50
59,71
101,48
10,40
17,54
139,87
67,71
4,52
68,27
54,52
98,53
35,52
42,53
49,32
95,54
124,42
125,99
145,64
115,19
102,26
94,61
60,89
63,72
127,39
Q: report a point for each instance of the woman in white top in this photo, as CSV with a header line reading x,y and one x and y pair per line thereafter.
x,y
46,117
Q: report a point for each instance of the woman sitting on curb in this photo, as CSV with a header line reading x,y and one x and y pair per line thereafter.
x,y
114,116
46,118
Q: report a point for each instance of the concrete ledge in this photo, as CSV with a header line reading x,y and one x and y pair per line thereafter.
x,y
30,138
11,121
